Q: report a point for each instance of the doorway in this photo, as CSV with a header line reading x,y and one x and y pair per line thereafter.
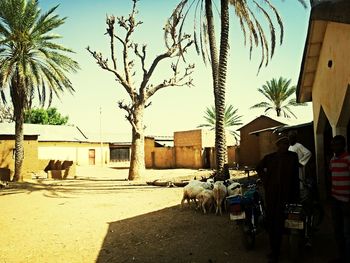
x,y
92,154
206,157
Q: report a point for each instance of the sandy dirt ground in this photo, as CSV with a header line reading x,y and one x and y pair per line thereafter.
x,y
101,217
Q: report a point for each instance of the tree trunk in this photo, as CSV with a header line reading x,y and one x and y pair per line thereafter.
x,y
18,100
19,150
212,46
278,111
137,161
220,136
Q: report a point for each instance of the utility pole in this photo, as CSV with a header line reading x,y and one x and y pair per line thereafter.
x,y
101,146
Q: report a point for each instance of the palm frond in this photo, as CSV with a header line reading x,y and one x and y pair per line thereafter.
x,y
231,118
261,105
277,92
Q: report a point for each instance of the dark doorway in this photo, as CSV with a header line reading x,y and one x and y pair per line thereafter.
x,y
206,157
91,156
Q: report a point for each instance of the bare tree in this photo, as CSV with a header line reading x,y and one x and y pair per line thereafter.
x,y
132,55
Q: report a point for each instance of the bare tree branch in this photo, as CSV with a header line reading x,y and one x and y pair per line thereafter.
x,y
103,63
177,45
174,81
129,24
176,48
148,104
110,31
129,109
142,57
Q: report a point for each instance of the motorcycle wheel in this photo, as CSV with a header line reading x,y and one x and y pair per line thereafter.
x,y
294,245
318,215
248,237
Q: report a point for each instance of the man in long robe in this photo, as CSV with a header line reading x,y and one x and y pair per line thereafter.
x,y
279,172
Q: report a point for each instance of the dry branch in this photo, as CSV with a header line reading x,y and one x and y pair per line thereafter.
x,y
177,45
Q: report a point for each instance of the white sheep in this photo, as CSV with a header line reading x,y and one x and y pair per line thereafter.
x,y
192,189
206,200
220,192
234,189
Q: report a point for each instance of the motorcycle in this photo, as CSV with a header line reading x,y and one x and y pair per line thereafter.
x,y
248,212
303,219
294,224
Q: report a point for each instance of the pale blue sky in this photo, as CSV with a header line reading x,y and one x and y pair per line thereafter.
x,y
172,109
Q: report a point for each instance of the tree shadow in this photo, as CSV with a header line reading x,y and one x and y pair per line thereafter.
x,y
72,188
175,235
119,167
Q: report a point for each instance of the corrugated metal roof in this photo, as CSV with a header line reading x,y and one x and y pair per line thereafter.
x,y
54,133
9,129
282,128
282,121
266,129
109,137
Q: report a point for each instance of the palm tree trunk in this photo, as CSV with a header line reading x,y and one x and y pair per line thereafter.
x,y
19,150
212,46
137,160
18,100
220,136
278,112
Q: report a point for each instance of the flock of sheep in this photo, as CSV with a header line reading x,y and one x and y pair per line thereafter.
x,y
210,193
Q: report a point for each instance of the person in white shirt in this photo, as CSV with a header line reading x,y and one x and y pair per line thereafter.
x,y
303,153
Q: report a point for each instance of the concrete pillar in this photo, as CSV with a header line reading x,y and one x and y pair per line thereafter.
x,y
320,164
339,131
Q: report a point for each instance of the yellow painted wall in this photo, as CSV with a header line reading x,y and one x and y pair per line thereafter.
x,y
149,149
188,157
164,157
186,153
330,84
232,156
73,151
188,138
30,162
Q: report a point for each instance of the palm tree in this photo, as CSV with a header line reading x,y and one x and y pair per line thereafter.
x,y
30,62
231,119
278,93
252,30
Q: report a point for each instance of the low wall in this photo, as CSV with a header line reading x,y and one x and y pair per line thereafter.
x,y
188,157
163,158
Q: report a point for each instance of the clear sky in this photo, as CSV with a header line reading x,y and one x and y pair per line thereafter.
x,y
172,109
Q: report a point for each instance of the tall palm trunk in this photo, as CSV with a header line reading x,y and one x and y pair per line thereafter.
x,y
19,150
212,44
137,161
18,99
220,136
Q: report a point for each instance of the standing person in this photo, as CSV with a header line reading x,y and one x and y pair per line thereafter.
x,y
340,203
279,174
303,153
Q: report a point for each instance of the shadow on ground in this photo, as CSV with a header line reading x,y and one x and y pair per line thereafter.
x,y
71,188
174,235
